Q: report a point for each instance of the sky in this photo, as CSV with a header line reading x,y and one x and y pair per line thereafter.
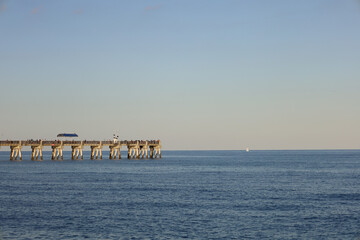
x,y
198,75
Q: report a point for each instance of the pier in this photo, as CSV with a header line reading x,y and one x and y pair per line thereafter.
x,y
135,149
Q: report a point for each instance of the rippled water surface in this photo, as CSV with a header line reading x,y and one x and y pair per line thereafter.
x,y
186,194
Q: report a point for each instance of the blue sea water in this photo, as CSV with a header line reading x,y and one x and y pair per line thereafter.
x,y
186,194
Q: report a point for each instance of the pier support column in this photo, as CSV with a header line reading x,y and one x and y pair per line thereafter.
x,y
142,152
15,152
133,152
158,149
137,150
145,154
130,152
133,149
35,152
56,153
77,150
156,153
57,150
92,152
137,153
151,152
95,151
111,153
147,150
115,152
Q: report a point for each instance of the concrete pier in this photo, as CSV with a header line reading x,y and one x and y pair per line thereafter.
x,y
136,149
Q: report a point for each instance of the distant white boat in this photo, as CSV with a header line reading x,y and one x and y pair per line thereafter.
x,y
247,149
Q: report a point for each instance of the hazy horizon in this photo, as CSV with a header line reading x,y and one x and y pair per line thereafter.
x,y
198,75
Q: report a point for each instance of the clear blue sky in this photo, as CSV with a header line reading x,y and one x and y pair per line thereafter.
x,y
204,74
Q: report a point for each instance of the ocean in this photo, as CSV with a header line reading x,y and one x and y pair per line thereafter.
x,y
184,195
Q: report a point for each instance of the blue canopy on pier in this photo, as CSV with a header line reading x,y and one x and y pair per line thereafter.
x,y
67,135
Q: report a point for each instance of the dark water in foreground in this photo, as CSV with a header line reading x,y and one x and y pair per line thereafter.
x,y
187,194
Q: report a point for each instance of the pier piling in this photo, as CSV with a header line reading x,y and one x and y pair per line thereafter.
x,y
136,149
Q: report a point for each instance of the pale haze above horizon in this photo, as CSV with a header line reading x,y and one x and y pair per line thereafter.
x,y
204,74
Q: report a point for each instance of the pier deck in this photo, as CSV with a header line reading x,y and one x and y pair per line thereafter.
x,y
136,149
